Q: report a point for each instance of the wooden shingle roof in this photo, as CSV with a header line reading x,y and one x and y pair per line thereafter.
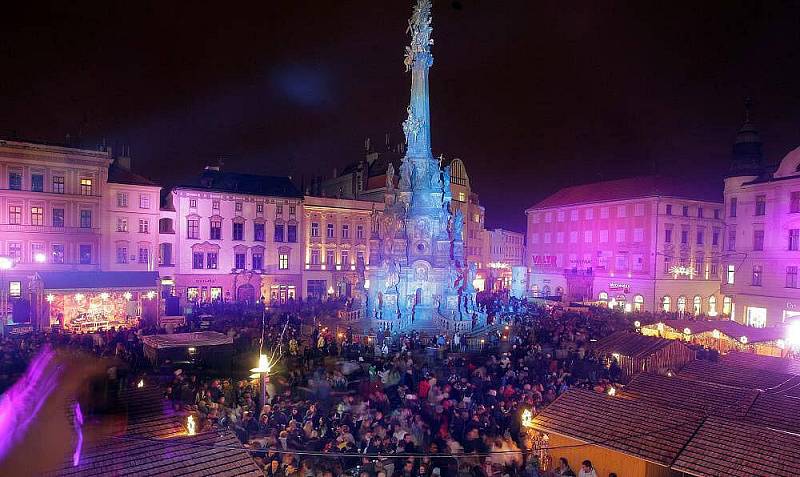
x,y
677,392
768,363
153,441
645,430
730,448
775,411
723,372
632,345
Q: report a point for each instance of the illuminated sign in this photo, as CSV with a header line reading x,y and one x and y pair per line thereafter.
x,y
623,287
682,271
544,261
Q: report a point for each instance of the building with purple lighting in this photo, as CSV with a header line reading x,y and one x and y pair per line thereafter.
x,y
58,212
233,237
644,243
762,208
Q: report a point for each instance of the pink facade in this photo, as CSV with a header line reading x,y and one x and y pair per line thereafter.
x,y
639,243
229,239
57,215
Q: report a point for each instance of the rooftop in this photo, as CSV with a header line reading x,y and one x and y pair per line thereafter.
x,y
153,441
652,432
730,448
120,175
632,188
632,345
731,374
251,184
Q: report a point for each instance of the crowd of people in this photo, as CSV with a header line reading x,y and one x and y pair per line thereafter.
x,y
375,404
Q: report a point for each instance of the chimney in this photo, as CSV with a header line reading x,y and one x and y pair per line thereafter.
x,y
366,144
335,173
386,140
123,160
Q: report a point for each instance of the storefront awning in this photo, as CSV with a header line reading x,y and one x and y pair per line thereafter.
x,y
72,280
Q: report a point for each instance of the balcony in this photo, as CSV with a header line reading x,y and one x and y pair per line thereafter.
x,y
48,229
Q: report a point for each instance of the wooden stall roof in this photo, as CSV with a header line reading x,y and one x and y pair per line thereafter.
x,y
775,411
642,429
768,363
732,329
155,443
730,448
722,372
181,340
677,392
632,345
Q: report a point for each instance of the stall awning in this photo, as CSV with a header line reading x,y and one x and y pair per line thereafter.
x,y
72,280
182,340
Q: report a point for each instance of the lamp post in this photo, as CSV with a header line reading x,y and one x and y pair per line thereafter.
x,y
6,263
262,371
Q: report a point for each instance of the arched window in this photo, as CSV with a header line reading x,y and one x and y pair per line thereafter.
x,y
666,303
681,304
602,296
712,306
560,291
697,305
535,290
546,290
638,303
726,305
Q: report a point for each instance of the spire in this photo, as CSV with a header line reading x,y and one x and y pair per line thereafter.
x,y
747,158
418,60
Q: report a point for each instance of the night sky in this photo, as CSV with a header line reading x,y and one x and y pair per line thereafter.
x,y
532,96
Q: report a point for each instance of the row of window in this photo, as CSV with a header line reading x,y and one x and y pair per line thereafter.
x,y
122,200
282,233
760,207
685,211
56,254
588,236
142,257
37,216
757,276
793,240
330,231
122,225
210,261
700,237
621,212
330,257
56,185
239,205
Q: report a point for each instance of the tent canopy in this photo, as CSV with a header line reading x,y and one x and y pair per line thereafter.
x,y
72,280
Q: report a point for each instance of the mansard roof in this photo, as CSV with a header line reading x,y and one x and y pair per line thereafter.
x,y
632,188
251,184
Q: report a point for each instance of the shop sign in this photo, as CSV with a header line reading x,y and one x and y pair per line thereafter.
x,y
544,261
619,287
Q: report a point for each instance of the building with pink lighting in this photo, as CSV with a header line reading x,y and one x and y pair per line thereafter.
x,y
762,207
233,237
643,243
56,212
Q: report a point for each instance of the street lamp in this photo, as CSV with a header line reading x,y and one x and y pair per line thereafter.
x,y
262,372
6,263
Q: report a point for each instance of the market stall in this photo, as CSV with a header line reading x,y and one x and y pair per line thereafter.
x,y
203,348
723,336
85,302
636,353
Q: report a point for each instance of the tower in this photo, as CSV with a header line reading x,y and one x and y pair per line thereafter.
x,y
747,158
417,274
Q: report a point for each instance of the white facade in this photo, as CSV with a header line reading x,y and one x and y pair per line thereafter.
x,y
233,246
762,255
